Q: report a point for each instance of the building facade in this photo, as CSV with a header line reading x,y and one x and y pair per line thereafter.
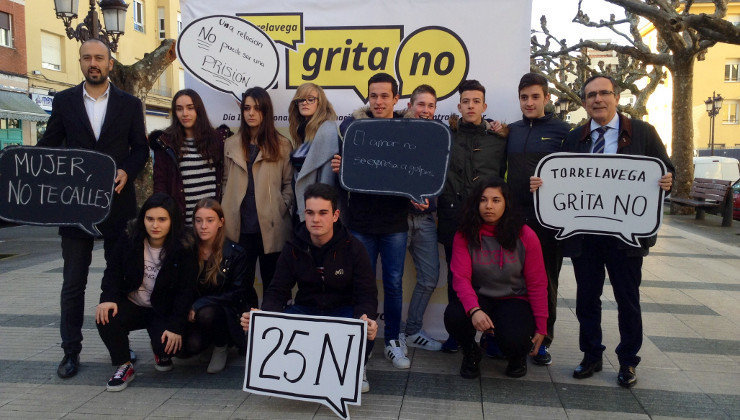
x,y
52,58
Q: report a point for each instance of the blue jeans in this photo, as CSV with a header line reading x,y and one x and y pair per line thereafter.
x,y
392,250
422,245
342,311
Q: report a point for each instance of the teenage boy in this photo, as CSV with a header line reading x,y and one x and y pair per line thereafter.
x,y
380,221
609,132
477,152
422,241
533,137
330,267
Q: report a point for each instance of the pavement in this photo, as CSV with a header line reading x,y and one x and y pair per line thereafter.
x,y
690,356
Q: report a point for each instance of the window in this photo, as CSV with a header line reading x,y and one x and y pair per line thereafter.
x,y
51,51
731,71
179,23
160,14
732,112
138,16
6,35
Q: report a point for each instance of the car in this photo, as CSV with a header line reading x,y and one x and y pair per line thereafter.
x,y
717,167
736,200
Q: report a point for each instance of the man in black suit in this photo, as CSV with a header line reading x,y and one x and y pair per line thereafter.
x,y
98,116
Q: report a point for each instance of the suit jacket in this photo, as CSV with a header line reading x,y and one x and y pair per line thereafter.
x,y
122,137
635,137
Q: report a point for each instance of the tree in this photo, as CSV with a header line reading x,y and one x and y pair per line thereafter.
x,y
138,79
567,72
683,37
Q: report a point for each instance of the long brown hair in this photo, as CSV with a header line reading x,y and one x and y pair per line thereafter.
x,y
268,139
213,265
206,138
324,112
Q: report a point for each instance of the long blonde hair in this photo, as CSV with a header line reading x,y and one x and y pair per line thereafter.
x,y
324,112
213,265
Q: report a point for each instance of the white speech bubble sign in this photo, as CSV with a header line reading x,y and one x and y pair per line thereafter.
x,y
615,195
228,54
308,358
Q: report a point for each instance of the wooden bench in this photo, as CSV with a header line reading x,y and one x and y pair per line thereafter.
x,y
710,195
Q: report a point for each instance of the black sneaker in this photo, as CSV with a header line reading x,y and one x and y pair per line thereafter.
x,y
119,381
470,367
450,346
517,367
163,364
542,357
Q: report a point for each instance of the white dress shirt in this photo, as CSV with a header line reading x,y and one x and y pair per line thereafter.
x,y
96,109
611,136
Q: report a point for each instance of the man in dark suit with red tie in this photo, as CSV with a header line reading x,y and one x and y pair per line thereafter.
x,y
94,115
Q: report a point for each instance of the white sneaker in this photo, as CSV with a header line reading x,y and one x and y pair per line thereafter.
x,y
423,341
365,383
394,353
402,342
218,359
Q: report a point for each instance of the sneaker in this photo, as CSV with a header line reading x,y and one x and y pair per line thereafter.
x,y
423,341
542,357
470,367
163,364
517,367
488,344
218,359
394,353
119,381
450,346
365,383
402,342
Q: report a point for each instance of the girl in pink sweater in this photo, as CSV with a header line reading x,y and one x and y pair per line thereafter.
x,y
499,275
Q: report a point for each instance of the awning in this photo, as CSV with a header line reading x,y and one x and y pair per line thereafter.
x,y
18,106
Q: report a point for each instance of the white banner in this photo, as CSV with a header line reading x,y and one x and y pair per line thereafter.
x,y
339,44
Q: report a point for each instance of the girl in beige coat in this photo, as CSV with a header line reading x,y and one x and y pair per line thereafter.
x,y
257,193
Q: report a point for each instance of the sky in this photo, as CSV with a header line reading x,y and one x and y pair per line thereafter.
x,y
560,14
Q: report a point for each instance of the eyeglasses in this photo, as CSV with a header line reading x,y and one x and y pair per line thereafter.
x,y
592,95
310,100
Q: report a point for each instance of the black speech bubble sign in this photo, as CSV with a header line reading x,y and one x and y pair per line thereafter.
x,y
56,187
406,157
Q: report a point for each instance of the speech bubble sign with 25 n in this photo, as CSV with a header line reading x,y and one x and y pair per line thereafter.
x,y
406,157
228,53
56,187
616,195
307,358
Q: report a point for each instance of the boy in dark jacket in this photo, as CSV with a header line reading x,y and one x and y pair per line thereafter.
x,y
330,266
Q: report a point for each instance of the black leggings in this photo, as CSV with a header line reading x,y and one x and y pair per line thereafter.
x,y
210,327
512,319
252,244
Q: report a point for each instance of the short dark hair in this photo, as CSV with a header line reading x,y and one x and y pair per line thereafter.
x,y
384,78
423,89
532,79
324,191
107,47
471,85
615,87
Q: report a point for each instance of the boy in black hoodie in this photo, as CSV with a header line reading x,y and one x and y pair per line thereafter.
x,y
330,266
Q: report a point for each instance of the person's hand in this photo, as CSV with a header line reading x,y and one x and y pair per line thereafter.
x,y
372,327
336,163
420,207
172,342
666,181
191,316
481,321
120,181
496,127
534,183
102,310
536,343
244,320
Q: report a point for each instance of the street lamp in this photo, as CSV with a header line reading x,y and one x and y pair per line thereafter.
x,y
561,107
114,16
714,104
